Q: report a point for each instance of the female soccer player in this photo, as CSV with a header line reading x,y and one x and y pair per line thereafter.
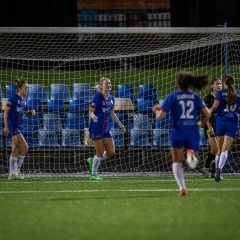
x,y
216,85
13,117
100,111
184,106
227,103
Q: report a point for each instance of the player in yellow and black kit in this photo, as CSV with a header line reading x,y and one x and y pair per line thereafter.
x,y
209,164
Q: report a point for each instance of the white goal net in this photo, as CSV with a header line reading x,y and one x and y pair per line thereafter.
x,y
62,66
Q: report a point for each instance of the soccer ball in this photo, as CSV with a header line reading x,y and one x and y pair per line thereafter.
x,y
191,160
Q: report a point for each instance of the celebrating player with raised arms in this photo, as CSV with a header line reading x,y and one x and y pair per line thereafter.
x,y
100,111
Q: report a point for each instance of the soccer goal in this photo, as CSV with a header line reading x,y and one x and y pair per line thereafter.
x,y
62,67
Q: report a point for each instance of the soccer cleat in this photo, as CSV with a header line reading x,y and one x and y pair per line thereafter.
x,y
218,176
13,176
95,178
205,172
191,160
183,193
90,162
19,176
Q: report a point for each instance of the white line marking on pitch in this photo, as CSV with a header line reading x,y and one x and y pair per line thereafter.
x,y
115,181
124,190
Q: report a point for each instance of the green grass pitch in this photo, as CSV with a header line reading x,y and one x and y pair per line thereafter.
x,y
119,208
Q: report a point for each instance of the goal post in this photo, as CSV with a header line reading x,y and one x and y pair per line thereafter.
x,y
62,67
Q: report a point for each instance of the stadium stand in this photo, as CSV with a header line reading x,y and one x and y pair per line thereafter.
x,y
37,92
11,90
70,138
126,91
60,92
82,91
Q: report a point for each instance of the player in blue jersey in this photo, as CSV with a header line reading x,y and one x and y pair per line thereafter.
x,y
100,112
13,117
226,105
184,106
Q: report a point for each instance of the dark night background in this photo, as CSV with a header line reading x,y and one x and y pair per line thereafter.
x,y
63,13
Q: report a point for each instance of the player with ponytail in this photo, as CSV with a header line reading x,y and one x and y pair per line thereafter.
x,y
184,106
226,105
13,117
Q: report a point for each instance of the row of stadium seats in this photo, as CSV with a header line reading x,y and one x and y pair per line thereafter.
x,y
81,91
73,138
79,121
48,132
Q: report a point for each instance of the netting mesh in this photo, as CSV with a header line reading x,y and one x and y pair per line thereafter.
x,y
62,70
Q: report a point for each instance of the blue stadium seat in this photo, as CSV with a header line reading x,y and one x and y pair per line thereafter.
x,y
56,106
78,105
161,137
126,91
75,121
37,91
118,137
142,121
82,91
31,139
60,92
11,90
71,138
165,123
34,104
48,138
145,105
31,124
51,121
147,91
139,137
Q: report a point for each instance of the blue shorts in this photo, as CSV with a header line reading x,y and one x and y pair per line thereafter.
x,y
226,127
185,137
95,137
14,131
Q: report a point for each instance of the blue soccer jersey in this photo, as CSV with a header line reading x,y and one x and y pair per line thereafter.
x,y
17,106
225,110
103,108
227,116
184,107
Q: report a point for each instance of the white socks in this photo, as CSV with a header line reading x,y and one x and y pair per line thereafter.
x,y
178,175
222,160
13,165
20,161
216,161
104,156
96,163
